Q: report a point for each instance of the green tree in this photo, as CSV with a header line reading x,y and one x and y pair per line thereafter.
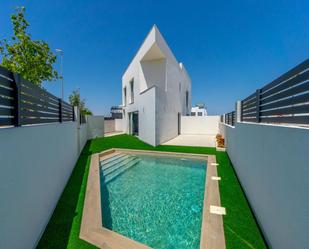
x,y
86,111
33,59
76,100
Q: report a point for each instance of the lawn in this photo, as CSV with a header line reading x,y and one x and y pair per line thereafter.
x,y
62,231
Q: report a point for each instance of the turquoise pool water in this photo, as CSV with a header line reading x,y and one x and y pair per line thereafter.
x,y
157,201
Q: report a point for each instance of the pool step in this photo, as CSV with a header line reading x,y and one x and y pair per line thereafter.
x,y
115,166
116,161
120,169
111,159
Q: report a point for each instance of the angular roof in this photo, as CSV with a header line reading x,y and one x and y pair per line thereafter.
x,y
154,47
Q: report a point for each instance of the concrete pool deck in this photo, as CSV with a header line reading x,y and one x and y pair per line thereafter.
x,y
92,230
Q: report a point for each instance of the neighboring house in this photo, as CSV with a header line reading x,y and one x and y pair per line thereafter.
x,y
199,110
156,92
116,112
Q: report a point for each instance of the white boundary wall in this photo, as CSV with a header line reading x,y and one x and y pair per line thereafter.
x,y
95,126
36,162
113,125
109,125
83,136
272,164
119,125
206,125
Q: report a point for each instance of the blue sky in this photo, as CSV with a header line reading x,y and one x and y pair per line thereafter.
x,y
230,48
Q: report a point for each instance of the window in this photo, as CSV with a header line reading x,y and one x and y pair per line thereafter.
x,y
132,90
199,114
179,86
192,113
125,96
187,99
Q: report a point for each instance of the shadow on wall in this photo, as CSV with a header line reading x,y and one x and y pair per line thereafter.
x,y
59,229
96,126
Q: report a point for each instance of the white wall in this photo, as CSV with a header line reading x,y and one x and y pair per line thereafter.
x,y
113,125
272,164
146,115
152,73
172,100
96,126
119,124
83,136
208,125
109,125
36,162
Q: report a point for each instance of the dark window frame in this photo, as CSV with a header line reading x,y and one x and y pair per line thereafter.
x,y
131,91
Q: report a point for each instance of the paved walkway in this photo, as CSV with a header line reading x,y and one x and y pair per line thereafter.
x,y
193,140
114,133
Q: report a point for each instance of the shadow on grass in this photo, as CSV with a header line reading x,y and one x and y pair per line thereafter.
x,y
57,232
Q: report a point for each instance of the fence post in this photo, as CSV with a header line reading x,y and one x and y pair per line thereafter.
x,y
17,105
233,118
60,110
77,119
73,112
258,92
77,115
238,111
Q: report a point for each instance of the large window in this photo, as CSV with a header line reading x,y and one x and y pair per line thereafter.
x,y
192,113
125,96
132,91
199,114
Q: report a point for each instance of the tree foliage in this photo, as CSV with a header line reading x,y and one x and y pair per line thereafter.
x,y
33,59
76,100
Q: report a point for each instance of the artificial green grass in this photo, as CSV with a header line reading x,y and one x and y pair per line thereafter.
x,y
62,231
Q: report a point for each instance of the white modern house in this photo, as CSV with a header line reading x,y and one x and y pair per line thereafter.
x,y
156,92
199,110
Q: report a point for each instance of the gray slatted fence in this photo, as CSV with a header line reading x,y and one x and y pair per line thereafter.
x,y
23,103
229,118
284,100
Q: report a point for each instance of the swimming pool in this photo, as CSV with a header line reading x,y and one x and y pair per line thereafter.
x,y
152,199
156,200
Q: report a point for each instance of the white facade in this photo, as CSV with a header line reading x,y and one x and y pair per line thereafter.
x,y
198,111
156,92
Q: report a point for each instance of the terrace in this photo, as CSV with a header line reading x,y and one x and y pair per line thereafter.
x,y
63,228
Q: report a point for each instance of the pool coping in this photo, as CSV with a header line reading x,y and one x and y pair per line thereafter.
x,y
92,231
